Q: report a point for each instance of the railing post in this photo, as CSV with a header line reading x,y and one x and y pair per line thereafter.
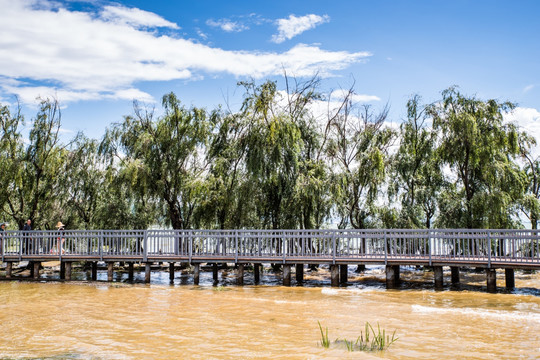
x,y
385,247
20,245
429,246
190,245
176,243
333,248
514,247
537,246
60,246
283,241
236,245
101,245
145,242
489,248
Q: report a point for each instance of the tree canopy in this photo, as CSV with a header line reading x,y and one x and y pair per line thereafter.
x,y
277,163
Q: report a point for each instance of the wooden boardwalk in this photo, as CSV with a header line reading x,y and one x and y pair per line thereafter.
x,y
489,249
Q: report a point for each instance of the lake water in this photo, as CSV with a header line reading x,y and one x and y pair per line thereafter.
x,y
100,320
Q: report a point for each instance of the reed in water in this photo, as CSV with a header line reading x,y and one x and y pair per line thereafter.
x,y
371,340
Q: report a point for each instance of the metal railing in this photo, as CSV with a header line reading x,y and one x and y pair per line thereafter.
x,y
370,245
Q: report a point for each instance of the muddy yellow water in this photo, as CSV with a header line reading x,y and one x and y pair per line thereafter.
x,y
101,320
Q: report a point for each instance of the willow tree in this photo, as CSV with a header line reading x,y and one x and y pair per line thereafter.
x,y
11,155
31,173
82,184
164,156
417,177
284,154
530,203
358,146
226,201
479,148
273,144
100,196
312,194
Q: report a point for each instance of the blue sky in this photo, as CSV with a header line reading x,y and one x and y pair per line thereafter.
x,y
97,56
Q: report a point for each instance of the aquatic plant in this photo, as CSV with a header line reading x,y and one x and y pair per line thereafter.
x,y
325,342
369,339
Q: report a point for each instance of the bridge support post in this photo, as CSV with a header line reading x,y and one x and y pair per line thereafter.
x,y
455,274
286,275
215,271
438,275
94,270
110,271
68,270
343,272
397,280
334,275
147,269
360,268
9,270
240,274
391,282
37,264
171,272
510,279
196,273
62,270
257,273
299,272
130,271
491,276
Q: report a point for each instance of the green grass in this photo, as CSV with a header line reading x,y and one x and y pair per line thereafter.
x,y
325,342
370,339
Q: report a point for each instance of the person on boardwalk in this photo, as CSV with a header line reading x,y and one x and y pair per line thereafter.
x,y
60,240
27,241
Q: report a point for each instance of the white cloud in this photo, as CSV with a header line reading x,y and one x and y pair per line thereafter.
x,y
529,120
65,131
82,55
528,88
201,34
292,26
135,17
29,94
321,109
339,95
227,25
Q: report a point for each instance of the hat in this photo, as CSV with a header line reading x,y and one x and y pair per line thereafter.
x,y
59,224
4,223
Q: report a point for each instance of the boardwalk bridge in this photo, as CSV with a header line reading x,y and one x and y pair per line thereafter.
x,y
489,249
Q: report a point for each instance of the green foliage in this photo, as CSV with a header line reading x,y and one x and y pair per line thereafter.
x,y
530,202
283,150
416,169
275,164
162,159
358,148
31,174
479,148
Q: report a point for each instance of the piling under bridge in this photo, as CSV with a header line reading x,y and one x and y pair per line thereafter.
x,y
489,249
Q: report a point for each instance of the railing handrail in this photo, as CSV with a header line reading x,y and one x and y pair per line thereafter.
x,y
467,245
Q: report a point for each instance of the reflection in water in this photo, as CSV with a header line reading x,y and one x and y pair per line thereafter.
x,y
81,320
